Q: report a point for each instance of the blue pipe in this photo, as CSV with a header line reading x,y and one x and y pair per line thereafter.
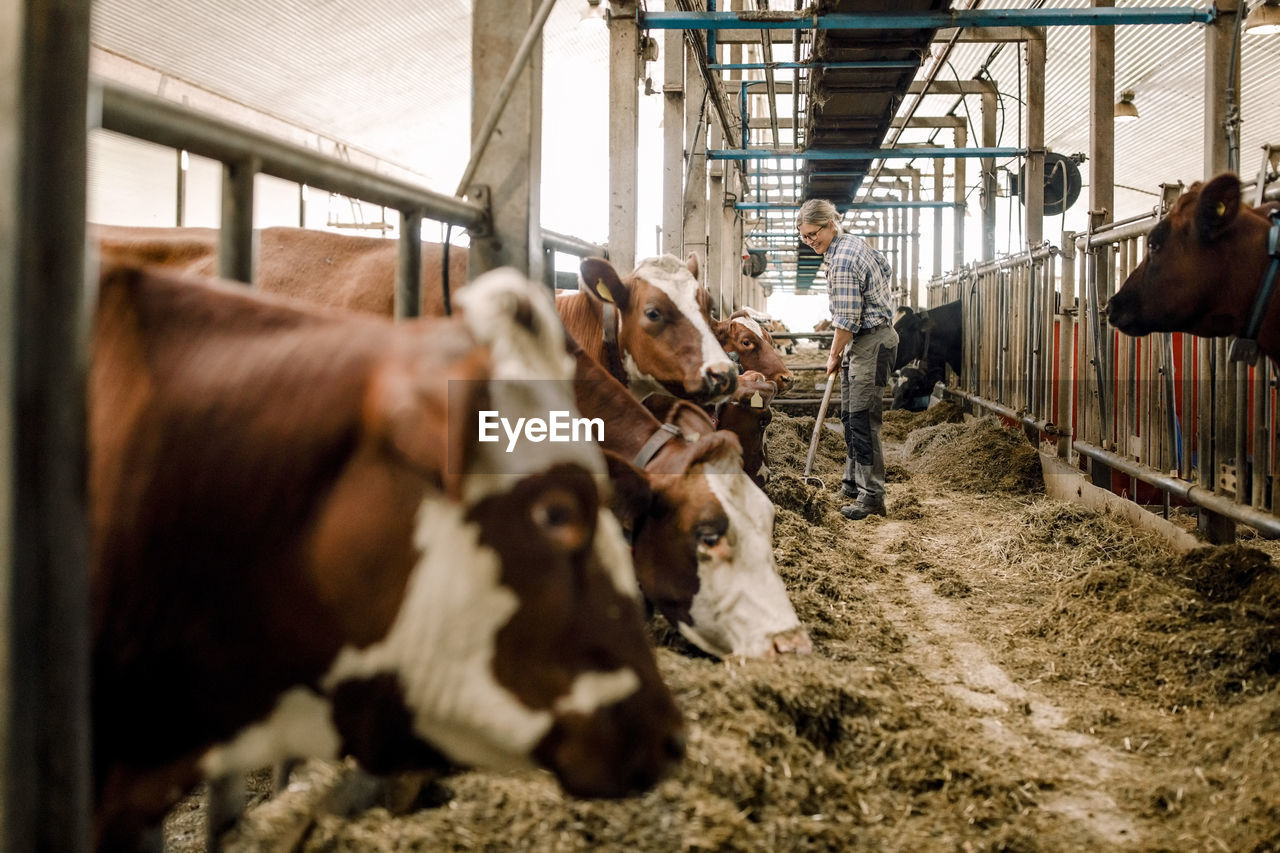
x,y
859,153
711,40
853,205
1091,17
856,63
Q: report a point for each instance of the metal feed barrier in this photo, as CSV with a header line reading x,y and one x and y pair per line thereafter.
x,y
1167,414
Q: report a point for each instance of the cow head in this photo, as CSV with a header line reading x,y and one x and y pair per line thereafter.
x,y
742,334
523,591
912,327
1203,265
664,336
748,416
705,556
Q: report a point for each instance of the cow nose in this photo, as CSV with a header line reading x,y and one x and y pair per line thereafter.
x,y
785,381
793,642
721,378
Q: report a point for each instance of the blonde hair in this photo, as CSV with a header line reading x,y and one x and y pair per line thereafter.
x,y
818,211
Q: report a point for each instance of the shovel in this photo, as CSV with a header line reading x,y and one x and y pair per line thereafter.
x,y
817,431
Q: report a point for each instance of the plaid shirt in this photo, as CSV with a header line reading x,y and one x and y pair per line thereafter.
x,y
858,284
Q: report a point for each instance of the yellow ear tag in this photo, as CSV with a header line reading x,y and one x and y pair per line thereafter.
x,y
692,437
603,291
757,402
1222,208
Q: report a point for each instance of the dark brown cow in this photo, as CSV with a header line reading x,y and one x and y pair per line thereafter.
x,y
748,416
356,273
703,537
1204,265
301,548
743,334
662,341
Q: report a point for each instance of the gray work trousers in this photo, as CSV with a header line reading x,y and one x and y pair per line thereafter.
x,y
867,363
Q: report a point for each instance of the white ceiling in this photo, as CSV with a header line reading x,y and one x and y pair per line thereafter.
x,y
393,80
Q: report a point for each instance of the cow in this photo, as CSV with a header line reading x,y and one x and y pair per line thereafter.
x,y
301,547
1204,266
702,531
748,416
659,338
663,344
743,335
928,341
345,271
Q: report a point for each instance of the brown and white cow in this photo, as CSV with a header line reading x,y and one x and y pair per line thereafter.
x,y
1204,265
703,539
345,271
659,338
748,416
301,548
743,334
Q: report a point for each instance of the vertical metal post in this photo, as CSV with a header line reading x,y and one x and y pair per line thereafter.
x,y
1102,94
1218,39
957,245
937,219
510,168
1034,210
716,247
235,237
180,184
408,298
673,153
624,132
988,166
44,544
1261,445
696,121
914,240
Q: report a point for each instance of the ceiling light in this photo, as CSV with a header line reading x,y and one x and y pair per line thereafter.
x,y
1264,19
1125,110
594,15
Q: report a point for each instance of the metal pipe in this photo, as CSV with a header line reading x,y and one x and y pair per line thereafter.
x,y
1046,427
852,205
408,294
783,66
780,20
503,94
860,153
1263,522
167,123
572,245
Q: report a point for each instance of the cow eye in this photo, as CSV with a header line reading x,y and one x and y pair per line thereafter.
x,y
708,537
653,315
748,345
560,516
709,533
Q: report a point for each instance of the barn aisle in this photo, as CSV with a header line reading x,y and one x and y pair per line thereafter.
x,y
994,670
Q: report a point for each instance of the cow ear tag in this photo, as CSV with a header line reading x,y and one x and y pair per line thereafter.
x,y
603,291
1222,208
692,437
757,402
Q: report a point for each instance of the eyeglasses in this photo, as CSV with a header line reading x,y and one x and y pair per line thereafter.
x,y
812,235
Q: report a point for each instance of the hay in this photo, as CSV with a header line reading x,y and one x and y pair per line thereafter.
x,y
899,423
1172,659
980,455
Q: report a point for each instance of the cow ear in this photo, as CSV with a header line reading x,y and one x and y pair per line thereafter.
x,y
426,415
601,280
693,265
1218,206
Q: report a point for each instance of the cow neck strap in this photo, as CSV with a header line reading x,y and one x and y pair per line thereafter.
x,y
612,355
661,436
1245,347
924,349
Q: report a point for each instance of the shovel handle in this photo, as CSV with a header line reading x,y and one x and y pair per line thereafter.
x,y
817,424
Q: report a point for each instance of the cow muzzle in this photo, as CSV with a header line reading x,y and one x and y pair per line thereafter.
x,y
719,380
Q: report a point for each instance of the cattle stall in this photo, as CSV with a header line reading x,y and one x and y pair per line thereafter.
x,y
1160,419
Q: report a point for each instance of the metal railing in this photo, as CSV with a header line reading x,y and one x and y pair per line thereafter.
x,y
1168,410
245,153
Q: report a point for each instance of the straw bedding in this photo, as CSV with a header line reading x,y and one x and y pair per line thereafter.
x,y
993,670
